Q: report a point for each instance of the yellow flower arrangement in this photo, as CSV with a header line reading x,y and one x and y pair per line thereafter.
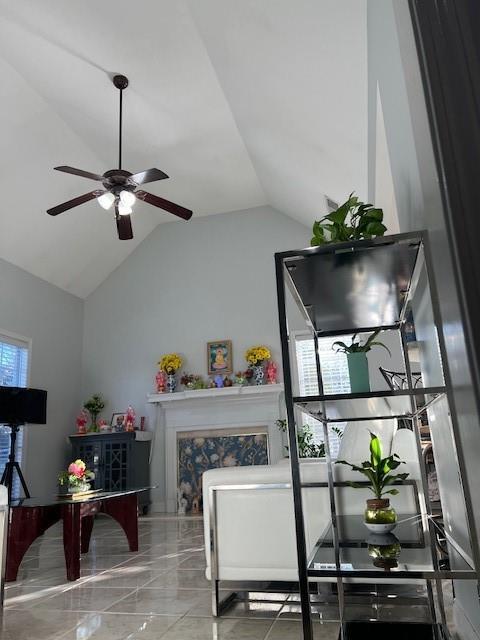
x,y
170,363
257,355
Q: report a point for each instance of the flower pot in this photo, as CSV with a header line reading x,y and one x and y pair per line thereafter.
x,y
384,549
258,374
380,517
358,372
171,382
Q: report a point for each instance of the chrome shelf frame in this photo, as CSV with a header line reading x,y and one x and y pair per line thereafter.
x,y
351,288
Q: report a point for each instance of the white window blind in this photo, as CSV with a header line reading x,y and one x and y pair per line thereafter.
x,y
14,355
334,375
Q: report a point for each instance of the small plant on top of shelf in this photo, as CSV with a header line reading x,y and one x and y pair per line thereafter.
x,y
353,220
380,517
356,353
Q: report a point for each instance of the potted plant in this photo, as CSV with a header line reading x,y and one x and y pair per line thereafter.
x,y
94,406
307,447
76,479
380,517
353,220
170,363
256,358
357,360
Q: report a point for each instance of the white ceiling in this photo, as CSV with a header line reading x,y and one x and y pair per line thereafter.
x,y
241,103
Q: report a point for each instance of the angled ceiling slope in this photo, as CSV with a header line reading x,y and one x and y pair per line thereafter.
x,y
243,104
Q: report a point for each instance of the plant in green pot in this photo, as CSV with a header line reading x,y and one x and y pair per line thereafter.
x,y
380,516
357,360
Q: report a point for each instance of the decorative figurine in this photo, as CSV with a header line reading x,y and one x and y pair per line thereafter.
x,y
104,426
218,381
211,384
227,382
181,503
271,371
130,419
195,504
161,380
81,421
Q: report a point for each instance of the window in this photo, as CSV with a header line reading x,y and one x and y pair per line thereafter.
x,y
14,355
334,374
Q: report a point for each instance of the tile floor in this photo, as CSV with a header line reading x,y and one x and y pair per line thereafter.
x,y
158,593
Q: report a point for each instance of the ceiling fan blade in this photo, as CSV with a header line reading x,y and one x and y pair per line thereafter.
x,y
150,175
54,211
124,227
80,172
171,207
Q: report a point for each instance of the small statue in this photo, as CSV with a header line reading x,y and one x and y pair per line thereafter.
x,y
130,419
181,503
81,421
211,384
103,426
195,504
161,380
271,372
227,382
218,381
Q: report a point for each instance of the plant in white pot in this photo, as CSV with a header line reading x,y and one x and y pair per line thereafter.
x,y
380,517
357,360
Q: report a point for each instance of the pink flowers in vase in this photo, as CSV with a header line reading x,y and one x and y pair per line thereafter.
x,y
130,419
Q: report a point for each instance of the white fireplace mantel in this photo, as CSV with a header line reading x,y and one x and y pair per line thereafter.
x,y
209,409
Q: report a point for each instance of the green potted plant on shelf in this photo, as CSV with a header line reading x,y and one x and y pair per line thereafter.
x,y
353,220
380,517
94,406
307,447
357,360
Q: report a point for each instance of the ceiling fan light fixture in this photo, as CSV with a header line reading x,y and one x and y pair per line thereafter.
x,y
127,198
106,200
123,209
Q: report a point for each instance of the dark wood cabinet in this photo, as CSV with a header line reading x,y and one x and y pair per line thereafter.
x,y
118,460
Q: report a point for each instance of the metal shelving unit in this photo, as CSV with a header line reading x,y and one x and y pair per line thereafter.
x,y
353,288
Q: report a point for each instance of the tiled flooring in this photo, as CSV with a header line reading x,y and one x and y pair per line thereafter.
x,y
160,592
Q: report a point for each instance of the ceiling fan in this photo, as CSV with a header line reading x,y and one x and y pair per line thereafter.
x,y
120,187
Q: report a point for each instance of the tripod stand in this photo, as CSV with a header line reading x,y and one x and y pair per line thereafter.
x,y
12,465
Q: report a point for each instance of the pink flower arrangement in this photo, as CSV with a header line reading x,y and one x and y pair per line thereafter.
x,y
77,469
76,477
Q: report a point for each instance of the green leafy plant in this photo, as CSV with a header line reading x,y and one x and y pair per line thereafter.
x,y
357,347
378,470
94,406
307,447
353,220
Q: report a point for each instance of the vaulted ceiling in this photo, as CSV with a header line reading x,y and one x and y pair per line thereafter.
x,y
243,103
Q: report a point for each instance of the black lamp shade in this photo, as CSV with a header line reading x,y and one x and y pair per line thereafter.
x,y
19,405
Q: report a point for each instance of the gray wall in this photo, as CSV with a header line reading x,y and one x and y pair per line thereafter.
x,y
186,284
394,73
53,320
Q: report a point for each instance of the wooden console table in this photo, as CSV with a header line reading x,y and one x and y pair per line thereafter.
x,y
31,517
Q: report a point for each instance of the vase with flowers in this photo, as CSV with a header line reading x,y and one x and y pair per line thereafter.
x,y
170,363
76,479
94,406
256,358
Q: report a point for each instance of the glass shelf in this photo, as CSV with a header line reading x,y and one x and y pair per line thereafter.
x,y
353,287
375,405
406,553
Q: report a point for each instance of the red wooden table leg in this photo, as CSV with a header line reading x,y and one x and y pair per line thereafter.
x,y
124,510
71,539
26,525
86,532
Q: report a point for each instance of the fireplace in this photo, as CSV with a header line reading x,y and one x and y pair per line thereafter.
x,y
198,451
230,413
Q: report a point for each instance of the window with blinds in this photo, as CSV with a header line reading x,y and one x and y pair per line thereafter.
x,y
334,374
14,356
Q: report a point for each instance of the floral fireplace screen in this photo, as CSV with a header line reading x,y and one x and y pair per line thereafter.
x,y
200,451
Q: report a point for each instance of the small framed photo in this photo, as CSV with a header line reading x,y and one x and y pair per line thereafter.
x,y
219,357
118,421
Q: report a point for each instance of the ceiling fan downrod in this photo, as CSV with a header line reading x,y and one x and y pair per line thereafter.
x,y
121,82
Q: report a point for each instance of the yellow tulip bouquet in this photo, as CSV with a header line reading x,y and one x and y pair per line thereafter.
x,y
170,363
256,356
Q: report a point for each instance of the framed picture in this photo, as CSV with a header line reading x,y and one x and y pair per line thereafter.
x,y
219,357
118,421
